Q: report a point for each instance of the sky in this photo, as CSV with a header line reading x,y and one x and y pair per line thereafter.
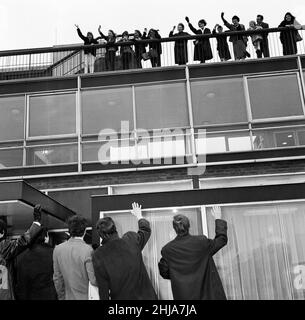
x,y
42,23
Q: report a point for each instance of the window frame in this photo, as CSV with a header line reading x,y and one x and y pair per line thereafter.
x,y
274,119
56,136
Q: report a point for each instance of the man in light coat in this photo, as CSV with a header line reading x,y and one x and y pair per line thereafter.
x,y
72,263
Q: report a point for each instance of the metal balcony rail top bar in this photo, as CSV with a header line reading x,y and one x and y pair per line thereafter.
x,y
146,41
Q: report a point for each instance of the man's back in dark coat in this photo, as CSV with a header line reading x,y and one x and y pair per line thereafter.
x,y
35,274
188,262
119,268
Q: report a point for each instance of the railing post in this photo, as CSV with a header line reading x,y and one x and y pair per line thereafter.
x,y
190,113
79,124
301,77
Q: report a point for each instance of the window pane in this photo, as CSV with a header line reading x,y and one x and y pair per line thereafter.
x,y
277,138
52,155
218,101
105,109
223,142
276,96
11,158
265,256
152,187
52,115
12,118
162,106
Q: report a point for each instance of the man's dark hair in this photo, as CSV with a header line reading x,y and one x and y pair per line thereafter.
x,y
203,22
181,225
3,228
40,238
236,18
260,16
77,226
106,227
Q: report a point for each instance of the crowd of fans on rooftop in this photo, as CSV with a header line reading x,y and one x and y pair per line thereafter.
x,y
132,56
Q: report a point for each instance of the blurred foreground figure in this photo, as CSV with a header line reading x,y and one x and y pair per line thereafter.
x,y
35,271
118,263
10,249
188,261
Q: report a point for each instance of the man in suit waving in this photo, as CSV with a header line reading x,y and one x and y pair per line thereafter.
x,y
118,263
188,263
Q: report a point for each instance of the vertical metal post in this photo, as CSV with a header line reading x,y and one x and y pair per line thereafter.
x,y
190,112
79,124
301,77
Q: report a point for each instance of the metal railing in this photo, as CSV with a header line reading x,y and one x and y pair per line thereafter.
x,y
69,60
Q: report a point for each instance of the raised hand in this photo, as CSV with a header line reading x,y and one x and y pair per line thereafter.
x,y
216,212
222,14
37,212
137,210
187,19
77,26
145,30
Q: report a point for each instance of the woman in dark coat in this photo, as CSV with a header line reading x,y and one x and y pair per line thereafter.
x,y
222,44
181,55
239,41
140,48
289,38
155,48
188,261
111,48
202,51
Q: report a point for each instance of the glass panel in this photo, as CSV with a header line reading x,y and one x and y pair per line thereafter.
x,y
276,96
105,109
12,118
265,256
153,187
214,103
46,155
52,115
224,142
160,220
162,106
11,158
118,150
277,138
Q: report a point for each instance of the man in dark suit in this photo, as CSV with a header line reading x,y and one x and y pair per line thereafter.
x,y
34,269
265,43
188,261
118,263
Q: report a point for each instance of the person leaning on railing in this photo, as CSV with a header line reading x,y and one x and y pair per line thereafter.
x,y
126,52
155,48
290,37
239,41
181,55
264,43
222,44
140,48
111,48
90,53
